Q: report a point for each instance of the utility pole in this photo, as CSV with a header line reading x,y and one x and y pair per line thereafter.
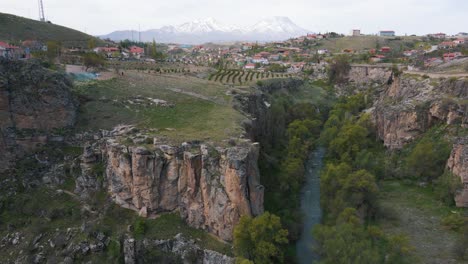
x,y
139,33
41,11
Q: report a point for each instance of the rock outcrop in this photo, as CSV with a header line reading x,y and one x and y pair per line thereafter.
x,y
186,249
458,165
409,107
364,74
210,187
33,102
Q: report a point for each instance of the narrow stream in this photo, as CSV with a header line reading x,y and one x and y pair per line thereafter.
x,y
310,207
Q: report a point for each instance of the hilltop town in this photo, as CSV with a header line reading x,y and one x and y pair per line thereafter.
x,y
304,55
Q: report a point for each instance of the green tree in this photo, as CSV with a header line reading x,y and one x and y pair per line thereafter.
x,y
446,187
427,159
339,69
91,43
93,60
347,242
349,141
53,50
261,239
359,191
154,52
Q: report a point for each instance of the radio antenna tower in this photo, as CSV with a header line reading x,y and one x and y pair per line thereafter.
x,y
41,11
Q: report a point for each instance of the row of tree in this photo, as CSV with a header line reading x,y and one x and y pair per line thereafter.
x,y
349,191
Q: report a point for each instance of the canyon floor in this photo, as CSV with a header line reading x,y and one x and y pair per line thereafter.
x,y
417,213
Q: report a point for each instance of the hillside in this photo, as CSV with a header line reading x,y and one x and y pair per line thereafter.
x,y
367,42
15,28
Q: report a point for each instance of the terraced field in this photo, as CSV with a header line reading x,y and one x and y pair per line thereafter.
x,y
239,77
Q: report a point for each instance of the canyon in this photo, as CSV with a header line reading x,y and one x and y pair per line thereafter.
x,y
209,185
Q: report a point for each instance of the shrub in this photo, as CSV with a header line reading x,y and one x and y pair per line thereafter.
x,y
454,222
446,186
140,227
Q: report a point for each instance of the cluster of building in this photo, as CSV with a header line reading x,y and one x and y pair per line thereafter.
x,y
22,50
115,52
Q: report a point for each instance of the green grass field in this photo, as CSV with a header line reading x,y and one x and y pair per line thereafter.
x,y
366,42
201,111
416,212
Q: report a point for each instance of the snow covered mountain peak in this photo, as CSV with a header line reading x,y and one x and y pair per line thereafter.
x,y
277,25
205,25
210,30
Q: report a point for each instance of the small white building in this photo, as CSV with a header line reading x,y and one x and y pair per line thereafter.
x,y
322,51
356,32
249,66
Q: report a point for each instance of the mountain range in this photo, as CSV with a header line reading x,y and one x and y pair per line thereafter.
x,y
210,30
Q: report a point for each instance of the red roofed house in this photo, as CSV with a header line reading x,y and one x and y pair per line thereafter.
x,y
311,36
377,58
108,51
459,41
136,51
249,66
385,49
447,44
451,56
9,51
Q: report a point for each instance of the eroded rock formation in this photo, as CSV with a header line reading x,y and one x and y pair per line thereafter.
x,y
210,187
409,107
33,102
458,165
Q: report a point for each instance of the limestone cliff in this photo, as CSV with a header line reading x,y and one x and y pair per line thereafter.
x,y
364,74
458,165
409,107
33,102
210,187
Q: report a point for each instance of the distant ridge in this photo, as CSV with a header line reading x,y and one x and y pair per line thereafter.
x,y
16,28
209,30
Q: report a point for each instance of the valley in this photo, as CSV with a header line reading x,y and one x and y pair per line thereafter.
x,y
321,148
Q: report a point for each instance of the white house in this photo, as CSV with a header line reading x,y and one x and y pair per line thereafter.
x,y
249,66
261,60
322,51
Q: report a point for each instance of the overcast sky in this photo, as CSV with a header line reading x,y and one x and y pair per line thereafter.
x,y
104,16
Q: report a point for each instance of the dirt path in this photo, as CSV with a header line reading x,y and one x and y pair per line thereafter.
x,y
411,211
438,75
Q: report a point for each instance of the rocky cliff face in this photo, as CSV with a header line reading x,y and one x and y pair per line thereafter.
x,y
364,74
33,102
408,107
458,165
210,187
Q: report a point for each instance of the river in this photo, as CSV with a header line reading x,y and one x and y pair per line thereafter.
x,y
310,207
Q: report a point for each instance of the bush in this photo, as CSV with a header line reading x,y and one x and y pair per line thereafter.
x,y
454,222
140,227
93,60
260,239
339,69
446,187
427,159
